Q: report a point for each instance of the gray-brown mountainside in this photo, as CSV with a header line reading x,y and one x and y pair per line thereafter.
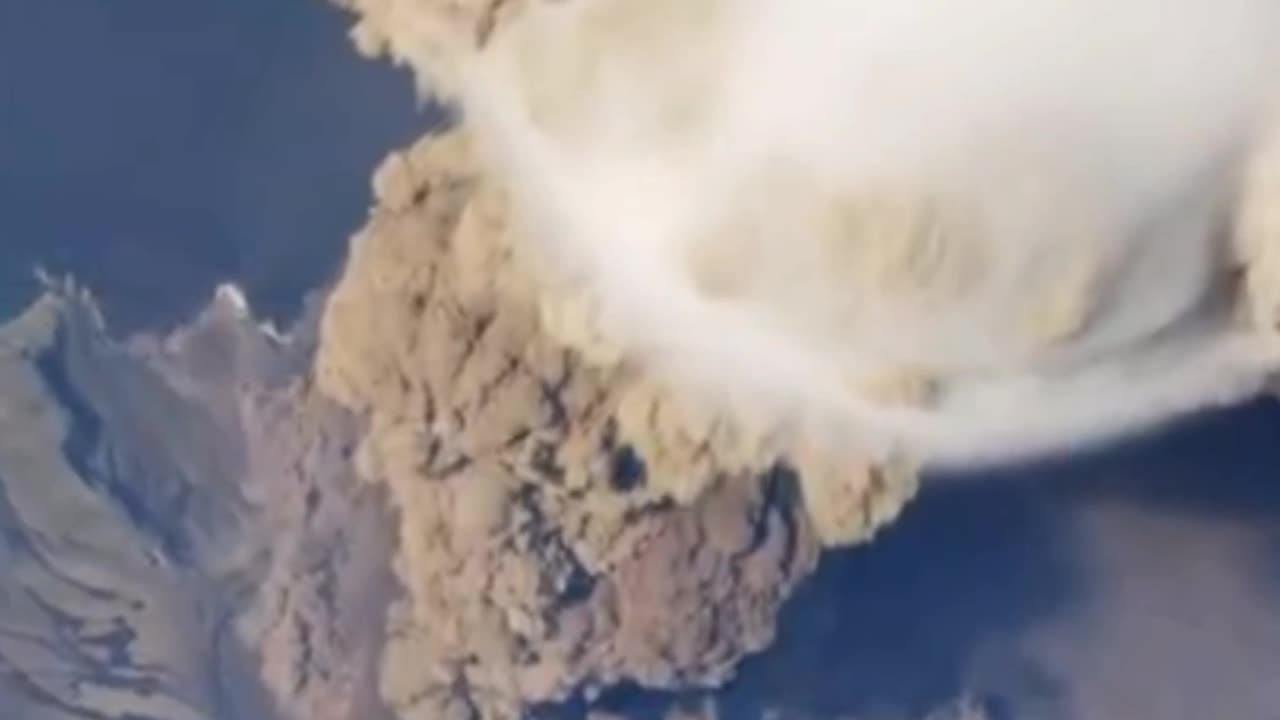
x,y
182,535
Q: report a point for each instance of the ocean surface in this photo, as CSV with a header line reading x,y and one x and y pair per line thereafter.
x,y
155,148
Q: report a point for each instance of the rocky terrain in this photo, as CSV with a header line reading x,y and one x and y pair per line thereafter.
x,y
175,515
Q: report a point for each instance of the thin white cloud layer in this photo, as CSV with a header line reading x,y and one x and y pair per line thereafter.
x,y
966,230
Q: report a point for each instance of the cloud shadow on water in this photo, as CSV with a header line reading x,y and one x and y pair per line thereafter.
x,y
937,607
1224,464
898,626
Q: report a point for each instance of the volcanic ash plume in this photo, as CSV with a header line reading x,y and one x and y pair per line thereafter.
x,y
962,231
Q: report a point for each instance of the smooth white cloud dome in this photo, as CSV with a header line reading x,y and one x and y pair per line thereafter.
x,y
971,230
